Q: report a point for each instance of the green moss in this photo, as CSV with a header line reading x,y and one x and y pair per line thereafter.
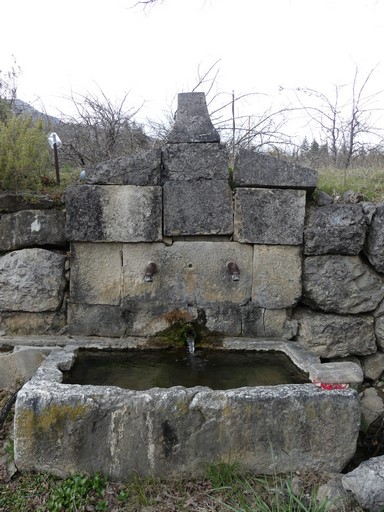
x,y
52,417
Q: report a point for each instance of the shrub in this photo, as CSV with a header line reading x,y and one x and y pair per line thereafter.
x,y
24,153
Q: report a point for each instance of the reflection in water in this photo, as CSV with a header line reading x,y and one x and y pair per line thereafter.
x,y
217,369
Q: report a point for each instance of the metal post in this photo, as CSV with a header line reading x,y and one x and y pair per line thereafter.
x,y
56,163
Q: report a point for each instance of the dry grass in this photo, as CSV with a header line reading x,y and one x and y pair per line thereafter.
x,y
369,182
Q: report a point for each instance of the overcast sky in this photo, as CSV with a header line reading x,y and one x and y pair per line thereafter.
x,y
155,53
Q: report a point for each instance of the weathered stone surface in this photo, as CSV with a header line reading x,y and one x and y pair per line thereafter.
x,y
266,216
379,325
341,284
96,320
373,365
259,170
27,324
193,123
374,248
31,280
367,484
276,276
96,273
372,406
174,433
16,201
18,366
330,335
336,373
143,168
267,323
194,273
29,228
192,162
114,213
333,493
198,208
335,229
187,277
323,199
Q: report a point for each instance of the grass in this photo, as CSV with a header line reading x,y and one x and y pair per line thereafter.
x,y
369,182
225,488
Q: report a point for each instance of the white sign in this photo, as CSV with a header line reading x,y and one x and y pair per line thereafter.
x,y
53,138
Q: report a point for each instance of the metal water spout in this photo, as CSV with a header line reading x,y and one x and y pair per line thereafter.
x,y
150,271
234,271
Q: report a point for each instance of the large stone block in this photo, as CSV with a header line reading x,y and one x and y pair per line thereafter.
x,y
379,325
341,284
96,273
276,276
192,162
367,484
31,280
28,324
143,169
11,201
114,213
193,123
96,320
267,323
330,335
259,170
175,433
29,228
374,248
198,208
194,273
266,216
336,228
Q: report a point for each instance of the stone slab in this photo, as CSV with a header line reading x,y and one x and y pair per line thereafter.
x,y
267,323
96,273
143,168
111,213
341,284
194,273
367,484
374,248
269,216
276,276
193,123
174,433
22,323
336,373
192,162
259,170
11,201
31,280
198,208
335,229
331,335
30,228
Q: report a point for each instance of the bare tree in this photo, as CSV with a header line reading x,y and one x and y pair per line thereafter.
x,y
8,89
100,129
345,120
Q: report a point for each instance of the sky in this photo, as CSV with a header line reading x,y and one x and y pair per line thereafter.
x,y
80,46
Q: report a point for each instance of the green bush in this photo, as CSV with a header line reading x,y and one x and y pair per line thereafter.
x,y
24,153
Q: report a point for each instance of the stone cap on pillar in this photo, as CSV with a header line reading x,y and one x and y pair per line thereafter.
x,y
193,123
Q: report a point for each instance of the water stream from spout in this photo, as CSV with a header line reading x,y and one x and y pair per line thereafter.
x,y
191,345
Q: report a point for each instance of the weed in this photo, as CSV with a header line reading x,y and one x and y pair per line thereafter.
x,y
78,491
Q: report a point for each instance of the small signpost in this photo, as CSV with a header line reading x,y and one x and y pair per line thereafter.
x,y
55,143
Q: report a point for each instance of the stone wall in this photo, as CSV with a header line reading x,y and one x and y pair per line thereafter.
x,y
308,270
33,249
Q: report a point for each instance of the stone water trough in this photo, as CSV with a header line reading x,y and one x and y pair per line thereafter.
x,y
178,432
168,238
